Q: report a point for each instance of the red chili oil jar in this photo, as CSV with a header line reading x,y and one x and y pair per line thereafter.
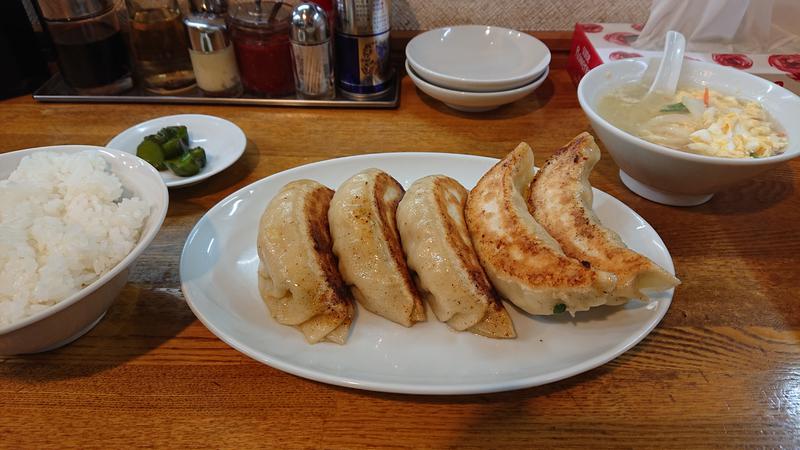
x,y
260,35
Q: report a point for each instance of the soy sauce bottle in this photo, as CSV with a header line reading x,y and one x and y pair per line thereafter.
x,y
87,37
24,67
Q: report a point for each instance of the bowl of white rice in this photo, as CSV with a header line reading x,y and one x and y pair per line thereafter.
x,y
73,218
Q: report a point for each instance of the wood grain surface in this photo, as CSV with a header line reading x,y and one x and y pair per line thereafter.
x,y
722,369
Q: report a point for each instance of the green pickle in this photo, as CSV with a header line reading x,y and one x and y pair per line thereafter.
x,y
151,152
169,149
164,135
168,133
173,148
185,166
199,156
182,133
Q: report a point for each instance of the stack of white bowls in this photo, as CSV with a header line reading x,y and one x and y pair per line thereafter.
x,y
476,68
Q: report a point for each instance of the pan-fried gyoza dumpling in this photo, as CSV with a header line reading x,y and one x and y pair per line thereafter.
x,y
525,264
561,201
439,251
297,275
365,238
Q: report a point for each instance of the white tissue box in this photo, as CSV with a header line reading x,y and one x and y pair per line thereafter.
x,y
596,43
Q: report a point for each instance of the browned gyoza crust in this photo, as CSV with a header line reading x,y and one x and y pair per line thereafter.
x,y
367,243
560,200
465,253
522,260
438,249
561,271
298,276
388,224
497,322
316,207
316,216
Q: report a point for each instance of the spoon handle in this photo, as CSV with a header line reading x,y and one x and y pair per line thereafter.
x,y
666,81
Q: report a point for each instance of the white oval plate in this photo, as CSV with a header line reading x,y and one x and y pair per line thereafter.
x,y
477,58
223,141
218,272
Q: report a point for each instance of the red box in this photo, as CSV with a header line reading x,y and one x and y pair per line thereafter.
x,y
596,43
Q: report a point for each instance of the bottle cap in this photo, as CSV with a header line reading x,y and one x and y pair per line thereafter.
x,y
309,25
209,6
360,17
207,33
73,9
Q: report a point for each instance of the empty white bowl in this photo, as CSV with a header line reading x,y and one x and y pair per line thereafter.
x,y
477,58
474,101
674,177
74,316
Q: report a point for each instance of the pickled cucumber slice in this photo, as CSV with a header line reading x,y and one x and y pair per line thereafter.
x,y
199,156
185,166
151,152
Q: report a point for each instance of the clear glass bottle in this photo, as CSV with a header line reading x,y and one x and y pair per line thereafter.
x,y
260,34
160,44
87,36
213,58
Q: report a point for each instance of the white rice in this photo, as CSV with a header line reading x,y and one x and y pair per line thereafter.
x,y
63,224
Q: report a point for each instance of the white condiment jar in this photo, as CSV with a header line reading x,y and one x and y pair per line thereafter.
x,y
213,57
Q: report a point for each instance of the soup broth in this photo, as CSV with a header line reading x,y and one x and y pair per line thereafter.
x,y
701,121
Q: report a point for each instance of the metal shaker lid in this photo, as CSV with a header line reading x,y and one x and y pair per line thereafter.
x,y
309,24
209,6
73,9
207,33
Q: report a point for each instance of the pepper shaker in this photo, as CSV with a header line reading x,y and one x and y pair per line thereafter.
x,y
213,58
312,52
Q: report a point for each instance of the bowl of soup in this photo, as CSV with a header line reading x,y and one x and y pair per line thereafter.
x,y
721,127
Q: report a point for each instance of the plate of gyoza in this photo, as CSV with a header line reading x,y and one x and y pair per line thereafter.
x,y
429,273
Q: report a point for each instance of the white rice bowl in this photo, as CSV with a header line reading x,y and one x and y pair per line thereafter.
x,y
64,221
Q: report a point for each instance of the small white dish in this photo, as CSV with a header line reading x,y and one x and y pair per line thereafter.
x,y
223,141
219,267
474,101
477,58
677,178
74,316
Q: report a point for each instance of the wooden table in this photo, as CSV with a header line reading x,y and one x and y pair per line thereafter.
x,y
722,369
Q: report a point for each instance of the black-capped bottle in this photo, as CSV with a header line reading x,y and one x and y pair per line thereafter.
x,y
87,37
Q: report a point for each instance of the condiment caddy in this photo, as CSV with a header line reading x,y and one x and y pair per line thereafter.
x,y
57,91
251,52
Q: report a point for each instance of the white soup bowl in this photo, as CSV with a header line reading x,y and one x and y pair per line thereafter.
x,y
675,177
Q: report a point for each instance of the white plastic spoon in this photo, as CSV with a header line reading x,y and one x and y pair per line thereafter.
x,y
666,81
